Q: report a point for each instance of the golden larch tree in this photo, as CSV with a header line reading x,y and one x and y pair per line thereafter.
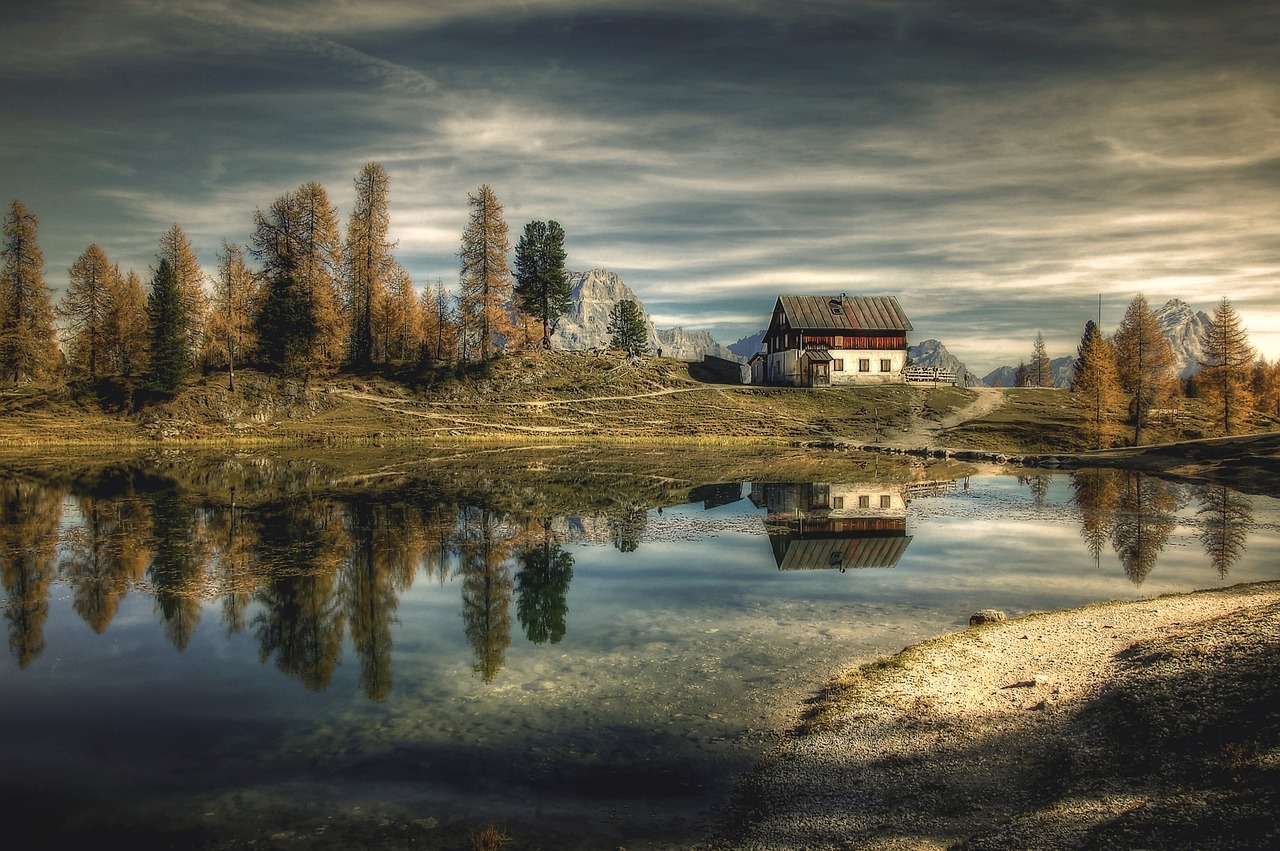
x,y
28,340
1145,360
84,309
1226,371
486,312
369,263
1096,386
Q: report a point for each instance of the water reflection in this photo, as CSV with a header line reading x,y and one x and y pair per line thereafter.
x,y
842,526
300,571
1137,515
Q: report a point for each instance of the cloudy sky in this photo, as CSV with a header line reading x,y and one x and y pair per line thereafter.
x,y
996,164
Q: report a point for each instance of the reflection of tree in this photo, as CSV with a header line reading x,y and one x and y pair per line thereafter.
x,y
485,544
626,529
176,565
542,586
369,592
302,547
1039,488
105,555
438,529
1227,518
1143,523
235,544
1097,494
30,515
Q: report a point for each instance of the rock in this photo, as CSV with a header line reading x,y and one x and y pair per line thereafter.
x,y
986,616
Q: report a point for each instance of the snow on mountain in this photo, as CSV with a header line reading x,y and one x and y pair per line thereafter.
x,y
586,326
1184,328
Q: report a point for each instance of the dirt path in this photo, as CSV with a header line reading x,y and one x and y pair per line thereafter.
x,y
924,431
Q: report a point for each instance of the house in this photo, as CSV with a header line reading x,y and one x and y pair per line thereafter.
x,y
826,526
823,341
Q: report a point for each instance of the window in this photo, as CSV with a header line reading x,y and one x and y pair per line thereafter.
x,y
886,501
864,364
837,365
836,309
837,502
886,365
864,502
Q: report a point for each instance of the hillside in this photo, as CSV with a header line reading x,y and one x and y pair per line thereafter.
x,y
522,395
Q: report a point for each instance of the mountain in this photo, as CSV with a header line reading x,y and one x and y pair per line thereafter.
x,y
586,326
934,354
749,345
1063,369
1184,328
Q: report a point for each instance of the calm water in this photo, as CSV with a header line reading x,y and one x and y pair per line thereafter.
x,y
306,666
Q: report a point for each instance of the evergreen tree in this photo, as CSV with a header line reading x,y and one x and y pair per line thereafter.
x,y
486,282
176,249
369,263
1039,371
627,329
1096,386
167,337
1226,371
1020,375
439,324
28,341
84,309
299,324
542,285
1145,360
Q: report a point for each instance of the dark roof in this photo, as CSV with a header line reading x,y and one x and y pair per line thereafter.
x,y
847,553
844,313
818,355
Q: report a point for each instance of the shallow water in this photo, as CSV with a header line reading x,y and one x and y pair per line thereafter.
x,y
404,667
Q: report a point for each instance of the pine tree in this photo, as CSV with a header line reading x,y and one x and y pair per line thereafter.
x,y
1040,370
1096,386
485,279
84,309
1225,373
1145,360
369,263
28,341
229,333
167,337
1020,375
627,329
176,249
300,324
542,285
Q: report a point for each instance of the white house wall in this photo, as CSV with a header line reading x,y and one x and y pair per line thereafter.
x,y
784,367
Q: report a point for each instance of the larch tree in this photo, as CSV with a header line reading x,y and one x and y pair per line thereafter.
x,y
1226,371
1145,360
399,318
300,324
83,309
1265,385
168,355
1040,370
229,333
369,264
28,340
439,324
176,249
1096,386
627,329
541,282
485,307
126,330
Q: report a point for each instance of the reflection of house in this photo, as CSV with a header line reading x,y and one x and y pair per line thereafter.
x,y
834,526
820,341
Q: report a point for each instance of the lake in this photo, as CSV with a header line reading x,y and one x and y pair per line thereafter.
x,y
237,651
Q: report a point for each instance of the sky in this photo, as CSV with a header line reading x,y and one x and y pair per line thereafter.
x,y
997,165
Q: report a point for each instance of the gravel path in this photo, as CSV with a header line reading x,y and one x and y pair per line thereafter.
x,y
1149,724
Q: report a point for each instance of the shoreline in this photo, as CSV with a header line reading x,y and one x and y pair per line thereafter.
x,y
1026,733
